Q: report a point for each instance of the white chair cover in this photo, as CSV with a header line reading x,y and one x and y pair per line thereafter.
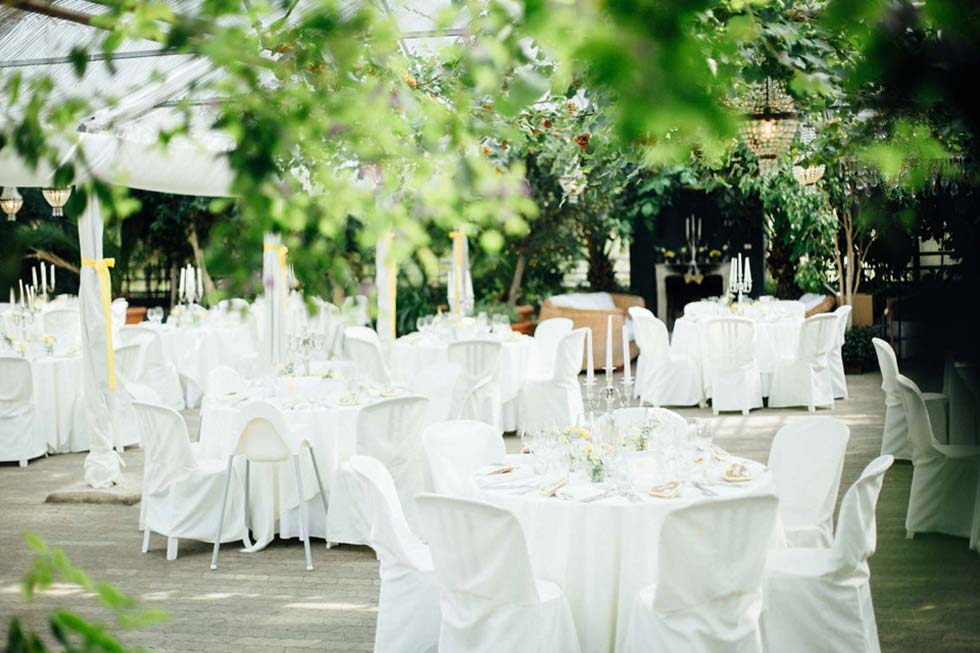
x,y
641,364
224,380
708,595
365,348
664,379
837,376
181,495
558,399
806,380
20,438
480,360
962,385
806,461
943,497
65,324
118,311
489,597
547,335
819,600
702,309
455,450
731,375
156,372
408,608
445,385
895,439
790,308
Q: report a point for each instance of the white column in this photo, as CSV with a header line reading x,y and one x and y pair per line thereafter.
x,y
385,279
274,303
103,464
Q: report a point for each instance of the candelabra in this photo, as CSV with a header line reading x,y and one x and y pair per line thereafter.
x,y
692,230
740,281
627,392
610,395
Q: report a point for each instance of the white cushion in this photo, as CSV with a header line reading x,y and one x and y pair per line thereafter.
x,y
594,300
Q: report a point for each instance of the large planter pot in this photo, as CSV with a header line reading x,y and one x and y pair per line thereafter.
x,y
862,313
135,314
524,311
526,327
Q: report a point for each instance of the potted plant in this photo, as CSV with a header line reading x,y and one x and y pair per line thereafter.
x,y
858,351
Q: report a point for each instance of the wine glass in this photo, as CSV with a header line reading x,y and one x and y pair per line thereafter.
x,y
154,314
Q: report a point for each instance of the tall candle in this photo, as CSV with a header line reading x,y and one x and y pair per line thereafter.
x,y
200,283
34,275
21,283
747,272
609,346
180,286
12,296
589,362
687,228
626,356
44,279
52,278
699,228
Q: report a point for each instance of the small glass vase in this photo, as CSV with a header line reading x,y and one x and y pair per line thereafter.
x,y
598,472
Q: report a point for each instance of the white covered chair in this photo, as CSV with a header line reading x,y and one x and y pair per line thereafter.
x,y
806,460
408,607
489,598
156,372
895,439
641,364
556,399
224,380
65,324
790,308
806,380
819,600
20,438
836,359
702,309
708,596
943,497
118,312
364,347
389,431
480,360
547,335
731,375
454,450
182,496
663,379
445,385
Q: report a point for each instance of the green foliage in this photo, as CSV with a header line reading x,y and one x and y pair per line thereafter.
x,y
858,350
72,632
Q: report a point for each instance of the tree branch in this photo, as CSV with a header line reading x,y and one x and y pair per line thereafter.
x,y
54,259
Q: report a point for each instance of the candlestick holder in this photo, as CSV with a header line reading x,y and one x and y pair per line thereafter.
x,y
589,394
610,395
627,393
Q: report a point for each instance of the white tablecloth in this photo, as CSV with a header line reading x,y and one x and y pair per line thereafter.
x,y
196,350
601,553
412,353
57,393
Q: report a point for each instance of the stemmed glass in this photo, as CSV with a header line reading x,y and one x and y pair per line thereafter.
x,y
154,314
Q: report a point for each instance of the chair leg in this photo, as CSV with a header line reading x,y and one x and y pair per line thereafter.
x,y
909,535
23,463
745,411
172,543
319,482
247,471
221,515
304,515
146,540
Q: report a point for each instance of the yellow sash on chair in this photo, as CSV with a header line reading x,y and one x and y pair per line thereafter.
x,y
281,251
101,267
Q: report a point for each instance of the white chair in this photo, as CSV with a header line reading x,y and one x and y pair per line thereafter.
x,y
806,379
480,360
556,399
547,335
708,595
806,460
181,494
702,309
489,597
664,379
389,431
65,324
456,449
445,385
156,372
641,364
130,366
118,313
263,439
837,376
408,606
819,600
365,348
20,438
895,439
731,374
790,308
943,497
224,380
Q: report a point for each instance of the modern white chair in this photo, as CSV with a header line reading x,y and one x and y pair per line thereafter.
x,y
180,493
819,600
489,598
556,399
547,335
708,595
224,380
836,359
156,372
895,439
65,324
480,360
806,379
445,385
408,606
943,497
456,449
20,438
664,378
364,346
806,461
264,440
731,374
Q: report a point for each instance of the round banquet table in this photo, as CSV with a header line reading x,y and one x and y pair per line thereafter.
x,y
196,350
774,340
412,353
57,391
601,552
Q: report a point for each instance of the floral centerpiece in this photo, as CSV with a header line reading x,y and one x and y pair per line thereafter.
x,y
583,452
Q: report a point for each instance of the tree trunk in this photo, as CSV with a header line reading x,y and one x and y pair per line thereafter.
x,y
515,283
199,259
601,275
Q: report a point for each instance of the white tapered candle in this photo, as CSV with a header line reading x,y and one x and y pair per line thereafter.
x,y
589,361
200,283
52,278
626,356
609,347
44,279
748,272
13,297
34,275
20,282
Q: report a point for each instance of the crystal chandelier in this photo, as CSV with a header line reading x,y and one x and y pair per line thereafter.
x,y
809,175
57,198
770,124
10,202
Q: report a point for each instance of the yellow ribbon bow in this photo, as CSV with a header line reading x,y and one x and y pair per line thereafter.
x,y
101,267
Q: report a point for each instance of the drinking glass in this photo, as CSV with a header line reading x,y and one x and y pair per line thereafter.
x,y
155,314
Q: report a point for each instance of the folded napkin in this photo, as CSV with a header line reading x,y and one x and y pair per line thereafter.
x,y
737,473
500,469
667,490
348,400
719,454
552,490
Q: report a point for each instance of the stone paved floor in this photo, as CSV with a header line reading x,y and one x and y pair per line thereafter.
x,y
926,591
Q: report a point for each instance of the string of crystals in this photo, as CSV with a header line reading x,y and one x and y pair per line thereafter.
x,y
770,124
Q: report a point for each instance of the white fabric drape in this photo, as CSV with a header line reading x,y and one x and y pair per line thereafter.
x,y
386,276
274,303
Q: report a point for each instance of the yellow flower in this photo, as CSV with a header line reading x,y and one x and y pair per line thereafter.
x,y
714,253
587,447
669,254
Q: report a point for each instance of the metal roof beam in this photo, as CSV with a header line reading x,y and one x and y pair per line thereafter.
x,y
95,56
